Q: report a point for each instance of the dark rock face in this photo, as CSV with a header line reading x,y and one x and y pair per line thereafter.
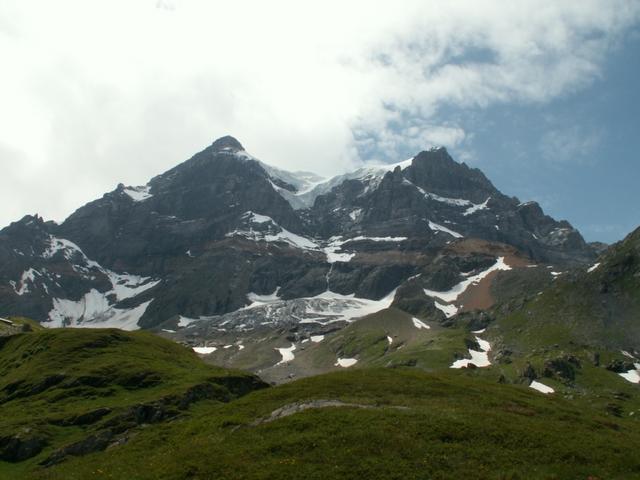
x,y
563,368
198,238
20,447
436,189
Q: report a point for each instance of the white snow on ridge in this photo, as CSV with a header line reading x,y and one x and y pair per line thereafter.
x,y
283,235
439,228
316,338
95,309
333,249
27,276
369,174
453,294
68,248
336,244
375,239
346,362
124,285
541,387
139,194
127,286
476,207
456,202
593,267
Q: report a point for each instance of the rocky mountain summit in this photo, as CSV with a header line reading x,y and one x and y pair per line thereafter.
x,y
223,230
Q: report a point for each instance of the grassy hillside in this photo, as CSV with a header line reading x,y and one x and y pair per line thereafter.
x,y
598,307
376,423
86,389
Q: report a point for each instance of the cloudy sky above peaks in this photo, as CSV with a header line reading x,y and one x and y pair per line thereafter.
x,y
542,96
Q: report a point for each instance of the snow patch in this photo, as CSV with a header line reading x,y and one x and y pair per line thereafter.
x,y
138,194
376,239
282,235
335,307
593,267
355,214
316,338
419,324
448,310
541,387
632,376
346,362
185,321
479,359
204,350
476,207
259,300
439,228
456,202
27,276
287,354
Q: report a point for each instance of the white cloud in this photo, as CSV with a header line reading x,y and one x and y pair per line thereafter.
x,y
94,93
571,143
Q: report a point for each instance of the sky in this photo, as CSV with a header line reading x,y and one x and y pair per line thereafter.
x,y
540,95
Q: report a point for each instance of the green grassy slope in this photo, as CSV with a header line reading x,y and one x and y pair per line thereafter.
x,y
395,424
599,308
62,387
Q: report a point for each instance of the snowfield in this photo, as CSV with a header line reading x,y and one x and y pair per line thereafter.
x,y
96,309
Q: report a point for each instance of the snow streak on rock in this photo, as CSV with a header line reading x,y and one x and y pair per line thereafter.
x,y
138,194
453,294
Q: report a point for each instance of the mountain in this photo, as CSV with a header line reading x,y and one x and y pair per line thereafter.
x,y
200,239
419,323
